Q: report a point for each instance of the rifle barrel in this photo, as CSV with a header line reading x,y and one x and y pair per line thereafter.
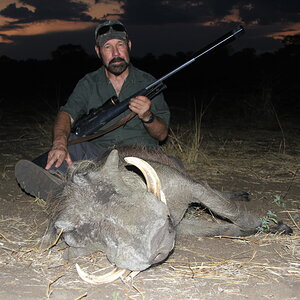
x,y
225,39
96,122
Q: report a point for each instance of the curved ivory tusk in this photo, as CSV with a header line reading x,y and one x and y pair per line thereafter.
x,y
106,278
152,179
132,275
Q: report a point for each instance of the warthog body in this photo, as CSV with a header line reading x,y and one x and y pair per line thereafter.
x,y
105,206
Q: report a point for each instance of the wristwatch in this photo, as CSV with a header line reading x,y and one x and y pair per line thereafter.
x,y
151,119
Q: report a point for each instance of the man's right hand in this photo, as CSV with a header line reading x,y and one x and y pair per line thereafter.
x,y
59,151
57,155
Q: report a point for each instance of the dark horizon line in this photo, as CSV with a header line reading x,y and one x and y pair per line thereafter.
x,y
189,53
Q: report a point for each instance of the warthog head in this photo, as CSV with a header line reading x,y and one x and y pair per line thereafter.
x,y
106,207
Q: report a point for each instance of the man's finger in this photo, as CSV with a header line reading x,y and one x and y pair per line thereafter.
x,y
59,162
69,160
139,104
52,158
50,163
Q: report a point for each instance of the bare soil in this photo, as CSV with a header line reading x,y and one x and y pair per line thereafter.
x,y
264,266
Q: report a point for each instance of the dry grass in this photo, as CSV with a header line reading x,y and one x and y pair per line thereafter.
x,y
217,157
185,143
240,267
262,257
238,158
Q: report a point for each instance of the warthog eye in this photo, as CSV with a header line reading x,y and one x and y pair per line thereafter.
x,y
80,178
171,227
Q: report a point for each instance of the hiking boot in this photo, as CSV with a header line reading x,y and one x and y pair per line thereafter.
x,y
37,181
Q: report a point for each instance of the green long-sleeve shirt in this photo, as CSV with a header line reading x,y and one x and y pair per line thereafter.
x,y
94,89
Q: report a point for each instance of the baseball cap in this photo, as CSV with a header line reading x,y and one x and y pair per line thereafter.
x,y
111,29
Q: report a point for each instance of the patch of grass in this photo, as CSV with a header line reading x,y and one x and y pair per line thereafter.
x,y
44,124
41,203
116,296
185,142
266,221
279,201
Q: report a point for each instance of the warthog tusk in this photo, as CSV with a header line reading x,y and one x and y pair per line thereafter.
x,y
163,197
152,179
131,275
106,278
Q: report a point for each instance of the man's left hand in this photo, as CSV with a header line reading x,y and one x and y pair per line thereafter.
x,y
141,105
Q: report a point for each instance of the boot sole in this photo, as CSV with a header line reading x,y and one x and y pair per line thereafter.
x,y
36,181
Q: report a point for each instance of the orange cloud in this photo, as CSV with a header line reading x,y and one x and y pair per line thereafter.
x,y
209,23
100,10
233,17
96,11
5,3
291,29
47,27
4,20
5,40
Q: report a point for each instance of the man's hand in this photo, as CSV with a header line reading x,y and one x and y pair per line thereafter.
x,y
59,151
141,105
57,155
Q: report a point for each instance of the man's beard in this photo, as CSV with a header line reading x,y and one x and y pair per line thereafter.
x,y
119,68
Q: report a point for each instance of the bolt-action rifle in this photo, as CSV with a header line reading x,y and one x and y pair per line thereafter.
x,y
97,118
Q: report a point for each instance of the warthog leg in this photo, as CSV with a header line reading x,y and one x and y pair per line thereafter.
x,y
222,205
199,227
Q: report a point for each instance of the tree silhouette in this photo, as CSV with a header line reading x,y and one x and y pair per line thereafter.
x,y
242,84
69,52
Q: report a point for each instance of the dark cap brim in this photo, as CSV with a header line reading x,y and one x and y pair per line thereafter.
x,y
103,38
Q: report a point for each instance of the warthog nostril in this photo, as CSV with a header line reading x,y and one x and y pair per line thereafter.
x,y
159,257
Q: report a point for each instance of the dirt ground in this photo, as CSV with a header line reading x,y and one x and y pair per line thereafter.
x,y
264,266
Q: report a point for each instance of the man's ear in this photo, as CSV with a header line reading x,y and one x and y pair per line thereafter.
x,y
97,49
129,45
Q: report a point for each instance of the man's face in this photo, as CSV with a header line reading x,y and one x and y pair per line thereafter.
x,y
115,55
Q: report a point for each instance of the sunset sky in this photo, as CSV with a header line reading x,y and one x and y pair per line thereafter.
x,y
35,28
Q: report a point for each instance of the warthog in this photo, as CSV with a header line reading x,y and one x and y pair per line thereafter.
x,y
109,205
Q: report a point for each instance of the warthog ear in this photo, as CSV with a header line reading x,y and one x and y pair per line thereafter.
x,y
112,161
111,171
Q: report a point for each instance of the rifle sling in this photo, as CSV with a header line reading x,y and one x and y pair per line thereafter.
x,y
102,132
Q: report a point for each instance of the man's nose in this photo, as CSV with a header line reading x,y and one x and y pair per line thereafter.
x,y
116,51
